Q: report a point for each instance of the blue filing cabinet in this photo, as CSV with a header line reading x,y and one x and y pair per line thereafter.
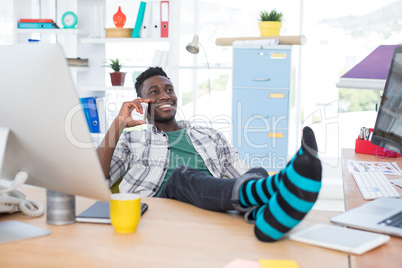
x,y
260,108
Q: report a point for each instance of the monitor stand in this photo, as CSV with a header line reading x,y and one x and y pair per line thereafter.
x,y
3,143
15,230
60,206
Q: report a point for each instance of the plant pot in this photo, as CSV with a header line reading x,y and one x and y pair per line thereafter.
x,y
270,28
117,78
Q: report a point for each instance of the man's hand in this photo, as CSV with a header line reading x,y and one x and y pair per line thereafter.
x,y
124,119
125,113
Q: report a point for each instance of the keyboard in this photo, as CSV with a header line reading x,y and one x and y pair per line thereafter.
x,y
394,221
374,185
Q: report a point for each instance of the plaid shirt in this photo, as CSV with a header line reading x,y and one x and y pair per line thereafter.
x,y
142,157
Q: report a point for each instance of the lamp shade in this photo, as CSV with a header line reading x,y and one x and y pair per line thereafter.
x,y
371,72
193,46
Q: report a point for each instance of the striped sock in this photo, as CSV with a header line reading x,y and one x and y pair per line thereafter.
x,y
258,192
295,196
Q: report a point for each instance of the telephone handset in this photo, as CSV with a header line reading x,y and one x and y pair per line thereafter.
x,y
13,200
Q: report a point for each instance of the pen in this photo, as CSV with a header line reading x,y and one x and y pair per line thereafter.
x,y
361,134
366,133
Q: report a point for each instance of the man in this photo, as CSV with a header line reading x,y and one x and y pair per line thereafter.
x,y
172,159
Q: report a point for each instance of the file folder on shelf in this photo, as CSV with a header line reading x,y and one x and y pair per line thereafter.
x,y
91,113
164,19
155,30
101,108
139,20
146,23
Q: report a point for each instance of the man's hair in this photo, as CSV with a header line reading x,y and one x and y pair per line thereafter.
x,y
151,71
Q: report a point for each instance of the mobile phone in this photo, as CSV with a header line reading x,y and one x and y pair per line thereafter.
x,y
144,207
145,109
143,116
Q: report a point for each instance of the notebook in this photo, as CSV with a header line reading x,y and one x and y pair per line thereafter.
x,y
383,215
100,213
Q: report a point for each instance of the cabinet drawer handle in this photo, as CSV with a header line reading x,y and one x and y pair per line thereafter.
x,y
278,55
275,135
276,95
261,79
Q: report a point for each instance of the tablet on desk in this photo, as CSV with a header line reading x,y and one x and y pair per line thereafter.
x,y
100,213
340,238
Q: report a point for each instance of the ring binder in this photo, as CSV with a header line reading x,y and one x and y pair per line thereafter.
x,y
91,113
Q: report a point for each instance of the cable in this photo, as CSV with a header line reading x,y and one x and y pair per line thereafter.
x,y
31,208
209,84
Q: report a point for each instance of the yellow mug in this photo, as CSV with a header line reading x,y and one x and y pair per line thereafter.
x,y
125,212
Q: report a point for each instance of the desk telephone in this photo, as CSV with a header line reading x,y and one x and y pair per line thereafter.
x,y
13,200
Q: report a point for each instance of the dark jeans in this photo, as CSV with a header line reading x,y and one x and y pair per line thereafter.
x,y
197,188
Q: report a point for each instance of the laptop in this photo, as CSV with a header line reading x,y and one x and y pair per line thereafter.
x,y
383,215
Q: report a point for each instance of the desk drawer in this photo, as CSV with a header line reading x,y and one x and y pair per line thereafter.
x,y
262,68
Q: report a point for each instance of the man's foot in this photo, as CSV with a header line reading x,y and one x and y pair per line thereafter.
x,y
286,197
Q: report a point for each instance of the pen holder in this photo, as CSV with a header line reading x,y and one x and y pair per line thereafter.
x,y
60,208
366,147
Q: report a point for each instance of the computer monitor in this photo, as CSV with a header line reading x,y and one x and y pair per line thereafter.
x,y
388,126
42,124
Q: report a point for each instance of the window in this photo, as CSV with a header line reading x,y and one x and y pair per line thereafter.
x,y
6,22
212,66
340,34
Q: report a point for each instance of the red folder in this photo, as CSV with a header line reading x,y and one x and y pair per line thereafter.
x,y
164,18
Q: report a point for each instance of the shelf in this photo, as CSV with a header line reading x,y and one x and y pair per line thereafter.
x,y
51,31
122,40
101,88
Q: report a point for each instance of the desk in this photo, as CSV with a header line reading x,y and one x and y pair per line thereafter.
x,y
170,234
388,255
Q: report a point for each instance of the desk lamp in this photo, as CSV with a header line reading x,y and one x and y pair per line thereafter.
x,y
193,47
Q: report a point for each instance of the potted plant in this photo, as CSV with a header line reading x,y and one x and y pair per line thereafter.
x,y
270,23
117,77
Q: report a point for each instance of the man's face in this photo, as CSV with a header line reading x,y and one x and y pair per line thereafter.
x,y
163,104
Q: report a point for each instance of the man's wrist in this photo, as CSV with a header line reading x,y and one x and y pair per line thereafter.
x,y
120,122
